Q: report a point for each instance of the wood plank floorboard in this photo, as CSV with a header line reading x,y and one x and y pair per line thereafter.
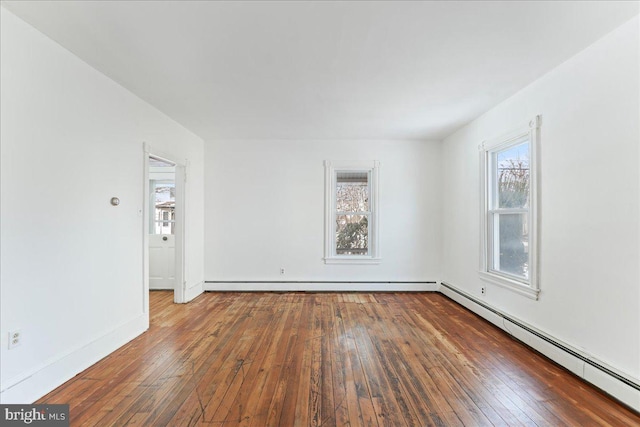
x,y
328,359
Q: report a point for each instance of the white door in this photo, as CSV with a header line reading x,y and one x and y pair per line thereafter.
x,y
162,243
162,266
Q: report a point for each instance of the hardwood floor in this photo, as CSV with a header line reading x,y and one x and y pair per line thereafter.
x,y
330,359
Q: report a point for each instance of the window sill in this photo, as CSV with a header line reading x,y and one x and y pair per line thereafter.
x,y
512,285
352,260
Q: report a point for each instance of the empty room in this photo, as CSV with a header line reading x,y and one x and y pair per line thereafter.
x,y
320,213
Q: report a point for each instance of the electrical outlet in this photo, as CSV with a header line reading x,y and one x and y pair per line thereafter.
x,y
483,290
15,338
281,270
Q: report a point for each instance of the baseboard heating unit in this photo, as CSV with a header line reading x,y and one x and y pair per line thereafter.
x,y
620,386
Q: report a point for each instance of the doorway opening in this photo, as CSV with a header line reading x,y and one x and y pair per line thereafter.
x,y
162,221
164,263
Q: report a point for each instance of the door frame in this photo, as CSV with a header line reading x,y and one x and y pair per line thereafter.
x,y
180,175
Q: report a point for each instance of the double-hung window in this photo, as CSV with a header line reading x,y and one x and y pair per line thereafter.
x,y
351,213
509,210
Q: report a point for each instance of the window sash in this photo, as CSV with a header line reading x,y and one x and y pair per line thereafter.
x,y
363,251
353,213
508,211
494,247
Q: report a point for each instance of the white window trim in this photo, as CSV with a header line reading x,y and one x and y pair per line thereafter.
x,y
330,174
531,131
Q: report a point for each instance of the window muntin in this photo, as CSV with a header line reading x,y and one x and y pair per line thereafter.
x,y
509,210
351,214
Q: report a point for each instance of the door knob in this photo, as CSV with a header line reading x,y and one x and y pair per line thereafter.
x,y
164,238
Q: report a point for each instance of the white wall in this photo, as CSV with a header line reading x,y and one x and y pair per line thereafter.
x,y
590,201
71,264
265,210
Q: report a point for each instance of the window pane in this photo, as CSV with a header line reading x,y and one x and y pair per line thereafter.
x,y
352,192
352,235
512,176
511,244
165,205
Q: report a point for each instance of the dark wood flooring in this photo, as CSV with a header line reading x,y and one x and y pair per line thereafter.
x,y
330,359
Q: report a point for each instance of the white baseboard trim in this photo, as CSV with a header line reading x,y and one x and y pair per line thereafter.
x,y
585,366
31,386
193,291
301,286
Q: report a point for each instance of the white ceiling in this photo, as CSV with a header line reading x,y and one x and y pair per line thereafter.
x,y
324,70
